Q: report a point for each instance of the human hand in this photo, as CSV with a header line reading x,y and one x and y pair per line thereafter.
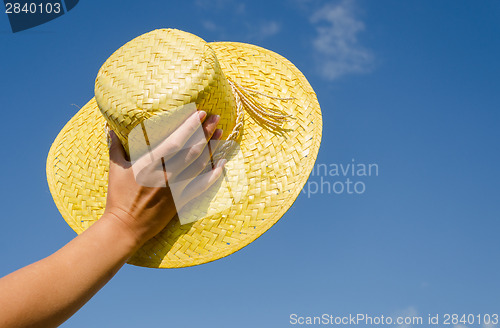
x,y
139,197
134,214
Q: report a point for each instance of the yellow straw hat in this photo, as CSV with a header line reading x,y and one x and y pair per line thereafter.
x,y
266,106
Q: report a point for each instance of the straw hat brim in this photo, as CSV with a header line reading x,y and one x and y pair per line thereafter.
x,y
277,163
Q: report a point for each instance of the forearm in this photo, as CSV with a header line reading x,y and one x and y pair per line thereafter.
x,y
49,291
46,293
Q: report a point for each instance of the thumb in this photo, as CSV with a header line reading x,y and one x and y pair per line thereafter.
x,y
116,151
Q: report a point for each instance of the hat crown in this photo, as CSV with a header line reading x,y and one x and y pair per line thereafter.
x,y
155,75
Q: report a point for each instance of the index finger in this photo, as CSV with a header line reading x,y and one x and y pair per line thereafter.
x,y
171,145
176,141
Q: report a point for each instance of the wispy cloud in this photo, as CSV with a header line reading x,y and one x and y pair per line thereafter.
x,y
489,325
229,18
229,5
209,25
409,312
338,51
486,325
263,29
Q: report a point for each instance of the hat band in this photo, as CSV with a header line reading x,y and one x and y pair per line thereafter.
x,y
271,118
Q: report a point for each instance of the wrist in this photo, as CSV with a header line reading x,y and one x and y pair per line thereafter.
x,y
130,239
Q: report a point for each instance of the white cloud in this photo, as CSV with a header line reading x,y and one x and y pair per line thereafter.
x,y
263,29
240,8
409,312
338,51
233,21
486,325
209,25
220,5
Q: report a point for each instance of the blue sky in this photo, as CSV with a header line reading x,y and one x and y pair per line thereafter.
x,y
411,86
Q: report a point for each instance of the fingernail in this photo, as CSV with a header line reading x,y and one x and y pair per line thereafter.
x,y
109,138
218,134
202,114
214,118
221,163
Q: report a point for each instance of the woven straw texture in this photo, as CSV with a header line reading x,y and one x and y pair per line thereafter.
x,y
276,163
157,73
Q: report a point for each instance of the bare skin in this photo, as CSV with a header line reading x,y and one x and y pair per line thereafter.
x,y
48,292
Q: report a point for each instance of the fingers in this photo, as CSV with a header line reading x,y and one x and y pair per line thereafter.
x,y
181,166
201,163
116,151
196,146
146,168
215,142
209,127
202,183
217,134
176,141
